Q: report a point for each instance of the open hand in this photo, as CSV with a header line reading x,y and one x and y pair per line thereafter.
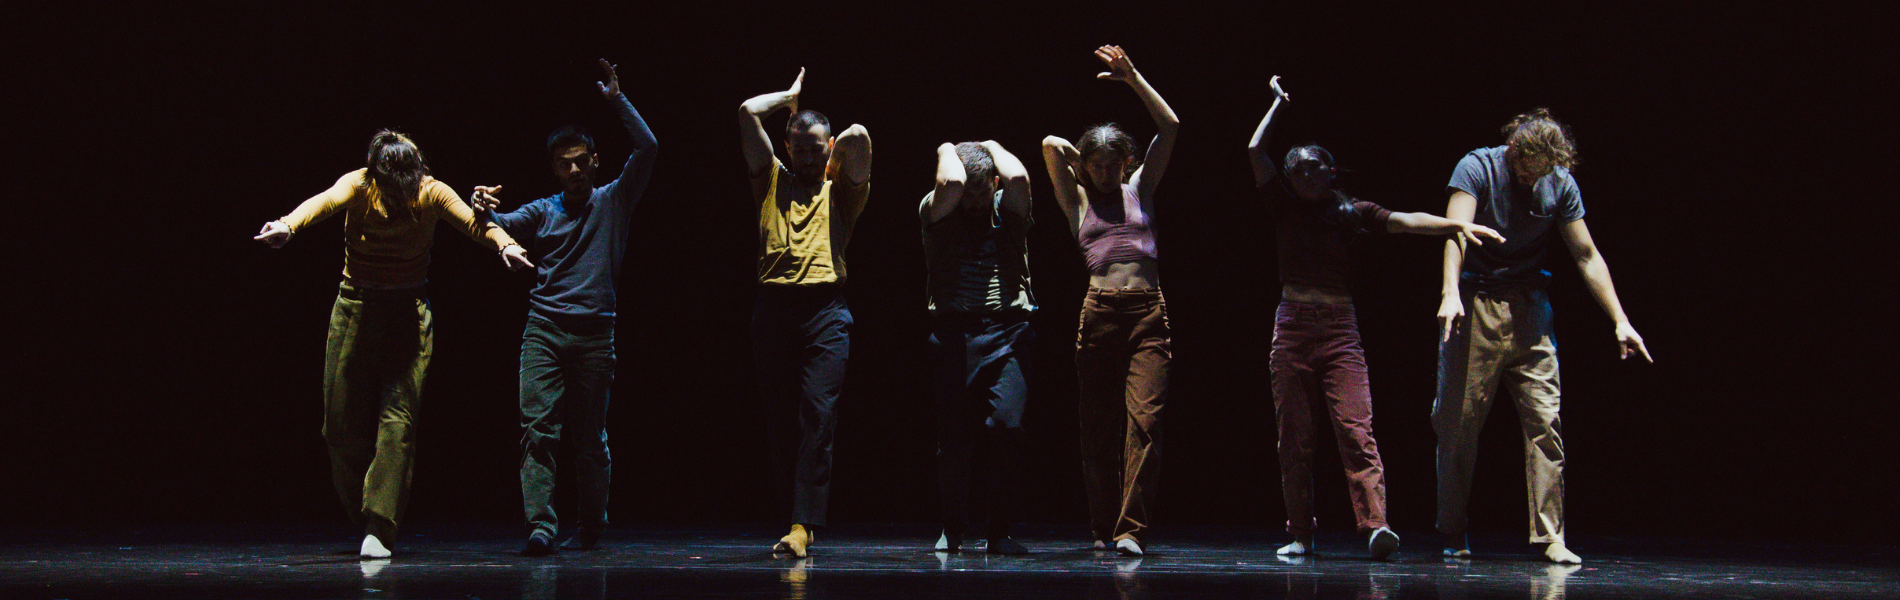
x,y
1472,234
611,87
515,258
1630,342
1279,92
484,198
1119,67
274,233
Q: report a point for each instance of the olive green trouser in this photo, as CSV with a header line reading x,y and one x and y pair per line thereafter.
x,y
378,350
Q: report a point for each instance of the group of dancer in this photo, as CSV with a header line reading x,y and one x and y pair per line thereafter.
x,y
1506,204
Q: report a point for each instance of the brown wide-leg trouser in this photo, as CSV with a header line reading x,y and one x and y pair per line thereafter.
x,y
1506,338
378,350
1121,359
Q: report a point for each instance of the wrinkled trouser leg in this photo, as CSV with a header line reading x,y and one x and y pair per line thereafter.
x,y
376,357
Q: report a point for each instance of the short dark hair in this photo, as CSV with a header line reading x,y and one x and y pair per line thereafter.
x,y
978,166
1109,137
394,171
805,119
1309,152
569,136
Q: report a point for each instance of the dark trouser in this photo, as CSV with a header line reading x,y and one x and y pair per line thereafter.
x,y
978,367
1316,354
377,353
801,338
1506,337
566,374
1121,358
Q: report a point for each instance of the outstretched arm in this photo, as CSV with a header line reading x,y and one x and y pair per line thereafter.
x,y
1166,124
944,197
458,213
639,168
1462,208
1014,180
311,211
1263,168
1596,273
752,137
1429,224
1062,160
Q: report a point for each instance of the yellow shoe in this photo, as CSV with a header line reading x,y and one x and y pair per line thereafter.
x,y
796,542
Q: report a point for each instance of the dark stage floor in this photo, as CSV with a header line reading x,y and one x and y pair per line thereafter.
x,y
893,562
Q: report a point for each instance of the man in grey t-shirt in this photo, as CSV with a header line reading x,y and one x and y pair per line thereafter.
x,y
1524,190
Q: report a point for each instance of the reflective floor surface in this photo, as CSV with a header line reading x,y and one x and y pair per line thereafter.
x,y
481,562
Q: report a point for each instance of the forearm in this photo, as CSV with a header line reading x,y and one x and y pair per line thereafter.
x,y
1157,108
1454,263
852,153
1007,165
765,104
643,140
1596,274
1264,131
1422,223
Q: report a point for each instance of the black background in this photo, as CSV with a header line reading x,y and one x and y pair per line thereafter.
x,y
166,368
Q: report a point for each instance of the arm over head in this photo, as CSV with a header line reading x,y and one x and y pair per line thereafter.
x,y
752,137
1263,167
1148,177
851,156
943,198
639,168
1014,179
1062,161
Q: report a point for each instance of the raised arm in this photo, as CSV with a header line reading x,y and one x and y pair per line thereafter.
x,y
639,168
311,211
851,156
1429,224
752,137
943,199
1014,180
1062,160
1462,208
1166,124
1596,273
1263,167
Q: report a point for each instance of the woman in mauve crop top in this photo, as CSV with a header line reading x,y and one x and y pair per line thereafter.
x,y
1110,218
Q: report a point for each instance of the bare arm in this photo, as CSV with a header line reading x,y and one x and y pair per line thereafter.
x,y
949,190
1429,224
1166,124
1462,208
1263,168
311,211
1061,159
851,155
752,137
1015,180
1596,273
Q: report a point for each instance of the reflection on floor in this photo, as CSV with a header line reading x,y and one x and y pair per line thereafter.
x,y
895,562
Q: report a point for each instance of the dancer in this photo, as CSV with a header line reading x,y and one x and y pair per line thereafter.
x,y
1122,350
1316,355
1524,190
801,326
976,234
567,349
381,331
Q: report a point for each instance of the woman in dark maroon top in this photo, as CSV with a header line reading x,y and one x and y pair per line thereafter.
x,y
1122,349
1316,354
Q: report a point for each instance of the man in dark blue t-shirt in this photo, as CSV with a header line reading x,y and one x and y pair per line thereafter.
x,y
578,237
1523,190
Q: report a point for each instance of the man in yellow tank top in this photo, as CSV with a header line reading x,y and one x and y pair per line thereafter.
x,y
808,205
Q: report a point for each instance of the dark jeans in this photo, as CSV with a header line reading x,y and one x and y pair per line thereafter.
x,y
1317,358
1121,359
801,338
978,365
566,375
377,354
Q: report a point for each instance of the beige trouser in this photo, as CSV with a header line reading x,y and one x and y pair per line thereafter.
x,y
1506,337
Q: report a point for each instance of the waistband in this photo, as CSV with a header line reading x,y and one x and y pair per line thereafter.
x,y
356,292
1288,307
1516,294
976,318
1132,293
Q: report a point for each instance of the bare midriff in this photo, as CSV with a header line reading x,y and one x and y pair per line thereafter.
x,y
1293,292
1132,275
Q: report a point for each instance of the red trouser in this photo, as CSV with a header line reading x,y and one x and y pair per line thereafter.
x,y
1121,358
1316,354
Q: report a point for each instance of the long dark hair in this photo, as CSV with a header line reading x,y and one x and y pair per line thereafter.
x,y
1340,211
395,172
1109,137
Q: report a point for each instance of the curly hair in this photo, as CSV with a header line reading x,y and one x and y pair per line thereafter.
x,y
1537,134
395,172
1109,137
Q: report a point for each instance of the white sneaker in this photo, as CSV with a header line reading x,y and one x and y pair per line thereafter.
x,y
373,548
1128,547
1294,549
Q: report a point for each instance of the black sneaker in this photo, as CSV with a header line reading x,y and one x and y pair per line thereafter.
x,y
538,545
585,540
1006,547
